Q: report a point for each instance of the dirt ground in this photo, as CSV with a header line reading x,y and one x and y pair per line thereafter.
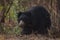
x,y
26,37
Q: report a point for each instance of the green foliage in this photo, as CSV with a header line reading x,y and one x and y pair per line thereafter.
x,y
17,30
8,30
12,15
1,7
12,27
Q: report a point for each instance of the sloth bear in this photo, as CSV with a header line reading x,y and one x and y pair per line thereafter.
x,y
36,20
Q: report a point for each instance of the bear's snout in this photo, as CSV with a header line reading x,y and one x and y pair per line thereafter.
x,y
21,23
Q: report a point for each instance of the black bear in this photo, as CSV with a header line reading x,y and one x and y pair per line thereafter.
x,y
36,19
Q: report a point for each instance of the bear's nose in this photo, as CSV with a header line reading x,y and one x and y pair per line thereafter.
x,y
21,23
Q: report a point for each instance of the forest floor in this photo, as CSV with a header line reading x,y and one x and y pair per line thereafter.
x,y
26,37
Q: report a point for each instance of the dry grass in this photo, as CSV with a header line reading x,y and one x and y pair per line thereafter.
x,y
27,37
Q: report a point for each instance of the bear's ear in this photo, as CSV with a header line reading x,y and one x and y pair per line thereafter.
x,y
18,14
